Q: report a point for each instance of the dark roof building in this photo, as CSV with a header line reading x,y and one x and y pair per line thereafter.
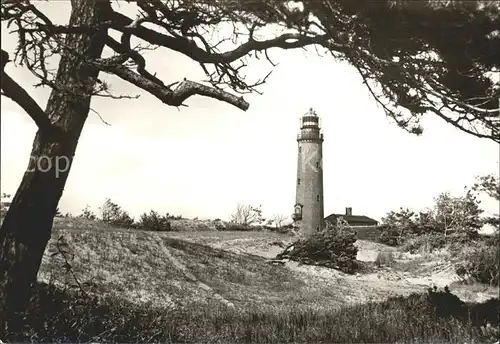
x,y
352,220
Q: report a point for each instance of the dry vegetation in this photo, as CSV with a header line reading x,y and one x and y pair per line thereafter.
x,y
217,287
419,318
169,268
159,269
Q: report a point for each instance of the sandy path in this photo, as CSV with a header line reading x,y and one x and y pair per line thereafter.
x,y
386,281
181,267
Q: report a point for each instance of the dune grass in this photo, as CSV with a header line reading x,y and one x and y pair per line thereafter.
x,y
133,286
65,316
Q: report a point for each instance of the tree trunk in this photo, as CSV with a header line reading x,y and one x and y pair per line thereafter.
x,y
27,226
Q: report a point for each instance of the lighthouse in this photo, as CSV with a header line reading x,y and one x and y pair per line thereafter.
x,y
309,205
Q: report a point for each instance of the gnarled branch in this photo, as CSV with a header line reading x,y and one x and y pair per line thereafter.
x,y
190,49
414,74
168,96
11,89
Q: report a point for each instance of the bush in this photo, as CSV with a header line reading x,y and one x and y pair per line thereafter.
x,y
247,215
88,214
493,240
384,258
154,222
397,235
281,229
241,227
174,217
331,248
481,265
232,226
454,218
114,215
486,312
390,235
219,225
424,243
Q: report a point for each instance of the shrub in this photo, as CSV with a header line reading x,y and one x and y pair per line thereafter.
x,y
390,235
330,248
219,225
493,240
281,229
175,217
114,215
424,243
446,304
231,226
454,218
123,220
481,265
88,214
241,227
154,222
459,215
486,312
384,258
247,215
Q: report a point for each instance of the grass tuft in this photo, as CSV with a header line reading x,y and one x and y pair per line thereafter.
x,y
59,316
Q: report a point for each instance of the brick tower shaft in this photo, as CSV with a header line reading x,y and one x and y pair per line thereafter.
x,y
309,204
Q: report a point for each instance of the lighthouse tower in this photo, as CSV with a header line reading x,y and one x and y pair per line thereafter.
x,y
309,207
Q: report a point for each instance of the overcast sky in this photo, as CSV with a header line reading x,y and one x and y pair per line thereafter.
x,y
203,159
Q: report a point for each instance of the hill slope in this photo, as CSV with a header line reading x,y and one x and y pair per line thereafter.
x,y
162,270
216,287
